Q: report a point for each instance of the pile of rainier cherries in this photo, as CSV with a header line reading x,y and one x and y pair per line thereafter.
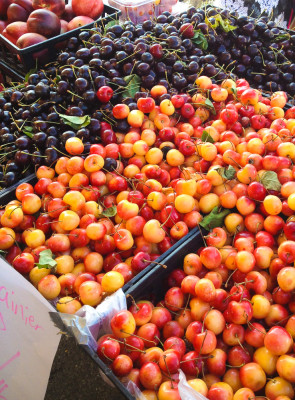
x,y
222,159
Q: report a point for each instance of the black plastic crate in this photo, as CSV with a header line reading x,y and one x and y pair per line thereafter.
x,y
8,194
153,267
148,286
8,74
22,60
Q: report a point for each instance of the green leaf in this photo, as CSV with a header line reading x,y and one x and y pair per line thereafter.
x,y
75,122
213,26
284,36
200,40
57,79
206,137
110,24
209,103
234,90
133,85
28,130
270,181
214,219
28,74
227,173
224,24
109,212
46,260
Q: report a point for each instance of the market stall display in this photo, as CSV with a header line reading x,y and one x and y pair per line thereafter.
x,y
126,58
157,201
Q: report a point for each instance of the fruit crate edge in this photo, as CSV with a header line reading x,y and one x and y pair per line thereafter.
x,y
8,194
9,75
161,259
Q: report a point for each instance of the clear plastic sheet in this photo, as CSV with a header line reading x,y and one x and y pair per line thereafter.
x,y
186,392
108,308
89,323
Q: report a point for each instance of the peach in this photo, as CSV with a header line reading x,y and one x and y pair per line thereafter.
x,y
63,26
19,10
44,22
90,8
56,6
15,30
4,4
29,39
68,14
79,21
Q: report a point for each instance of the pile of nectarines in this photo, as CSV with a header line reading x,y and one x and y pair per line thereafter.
x,y
28,22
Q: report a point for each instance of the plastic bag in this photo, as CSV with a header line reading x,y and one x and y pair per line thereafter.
x,y
108,308
186,392
89,323
133,389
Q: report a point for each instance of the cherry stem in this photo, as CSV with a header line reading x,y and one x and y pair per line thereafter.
x,y
127,344
235,366
133,301
236,163
205,316
228,279
68,301
164,358
206,332
237,337
15,208
252,327
8,234
203,237
155,262
133,334
162,344
244,283
167,218
179,308
284,319
102,350
198,358
188,299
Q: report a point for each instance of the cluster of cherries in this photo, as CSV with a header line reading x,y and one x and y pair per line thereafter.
x,y
221,158
230,335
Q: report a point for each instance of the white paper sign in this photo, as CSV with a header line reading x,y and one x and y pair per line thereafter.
x,y
28,338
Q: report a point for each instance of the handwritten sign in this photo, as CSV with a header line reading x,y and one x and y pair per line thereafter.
x,y
28,338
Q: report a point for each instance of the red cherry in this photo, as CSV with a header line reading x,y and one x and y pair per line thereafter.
x,y
104,94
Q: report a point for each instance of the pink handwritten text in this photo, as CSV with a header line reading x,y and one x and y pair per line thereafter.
x,y
6,297
2,324
3,384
